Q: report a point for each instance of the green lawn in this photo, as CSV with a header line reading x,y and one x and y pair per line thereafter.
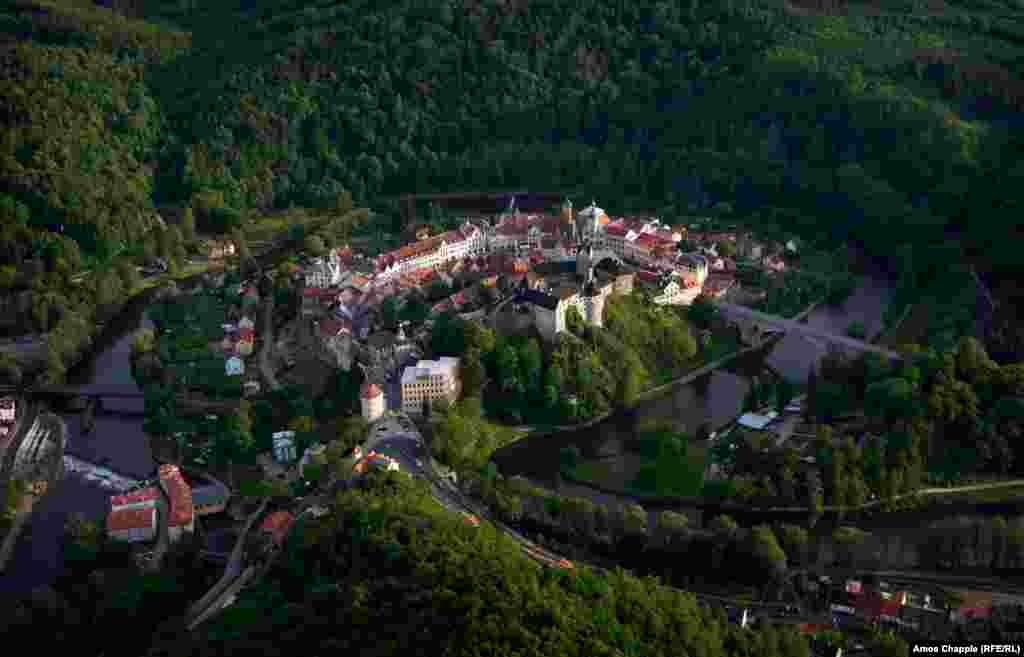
x,y
640,475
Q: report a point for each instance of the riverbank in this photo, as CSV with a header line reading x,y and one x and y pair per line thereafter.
x,y
42,476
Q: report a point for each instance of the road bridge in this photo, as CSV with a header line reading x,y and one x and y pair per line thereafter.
x,y
744,315
92,392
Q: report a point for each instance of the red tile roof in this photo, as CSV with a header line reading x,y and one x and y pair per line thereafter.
x,y
180,495
370,391
124,519
246,335
648,276
277,524
150,494
616,230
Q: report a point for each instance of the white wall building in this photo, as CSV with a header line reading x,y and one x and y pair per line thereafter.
x,y
429,381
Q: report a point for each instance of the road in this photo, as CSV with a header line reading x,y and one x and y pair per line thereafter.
x,y
268,341
788,325
214,598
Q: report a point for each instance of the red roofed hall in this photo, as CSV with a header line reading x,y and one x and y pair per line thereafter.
x,y
133,524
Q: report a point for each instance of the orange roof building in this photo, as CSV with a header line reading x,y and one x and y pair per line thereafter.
x,y
181,515
278,524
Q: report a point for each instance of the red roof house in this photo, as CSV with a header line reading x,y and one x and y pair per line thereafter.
x,y
277,525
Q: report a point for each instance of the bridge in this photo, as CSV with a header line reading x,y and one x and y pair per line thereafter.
x,y
94,392
774,322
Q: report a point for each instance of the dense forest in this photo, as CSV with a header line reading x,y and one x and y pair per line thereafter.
x,y
896,127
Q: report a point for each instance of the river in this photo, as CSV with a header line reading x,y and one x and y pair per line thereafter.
x,y
117,440
716,398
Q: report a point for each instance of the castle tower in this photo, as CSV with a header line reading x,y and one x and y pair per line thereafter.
x,y
585,262
371,399
593,303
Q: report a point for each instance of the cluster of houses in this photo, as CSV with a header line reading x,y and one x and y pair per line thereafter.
x,y
857,605
548,262
135,517
8,415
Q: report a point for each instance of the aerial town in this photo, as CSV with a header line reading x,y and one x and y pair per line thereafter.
x,y
531,270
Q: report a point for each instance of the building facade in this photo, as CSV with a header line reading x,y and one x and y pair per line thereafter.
x,y
430,381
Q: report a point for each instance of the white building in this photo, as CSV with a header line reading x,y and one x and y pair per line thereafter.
x,y
284,446
429,381
326,271
371,398
7,409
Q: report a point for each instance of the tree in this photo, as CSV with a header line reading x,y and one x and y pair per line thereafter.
x,y
847,541
531,362
628,386
702,311
415,309
389,312
188,224
768,555
795,540
726,248
314,245
241,244
128,274
857,330
472,373
890,399
507,366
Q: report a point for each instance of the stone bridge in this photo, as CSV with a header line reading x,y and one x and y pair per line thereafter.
x,y
755,323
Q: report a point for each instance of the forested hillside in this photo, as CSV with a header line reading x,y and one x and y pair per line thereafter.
x,y
898,127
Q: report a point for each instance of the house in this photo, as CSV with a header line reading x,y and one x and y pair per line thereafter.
x,y
246,323
251,388
775,263
429,381
277,525
284,446
7,409
133,525
755,421
973,604
375,460
246,339
234,366
139,499
207,500
217,249
181,515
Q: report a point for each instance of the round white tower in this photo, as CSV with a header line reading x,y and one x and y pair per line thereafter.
x,y
371,398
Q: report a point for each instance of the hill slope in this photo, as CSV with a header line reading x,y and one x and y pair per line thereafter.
x,y
896,127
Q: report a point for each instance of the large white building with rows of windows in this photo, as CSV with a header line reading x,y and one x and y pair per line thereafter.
x,y
429,381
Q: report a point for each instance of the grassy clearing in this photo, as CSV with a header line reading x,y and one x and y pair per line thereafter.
x,y
640,475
